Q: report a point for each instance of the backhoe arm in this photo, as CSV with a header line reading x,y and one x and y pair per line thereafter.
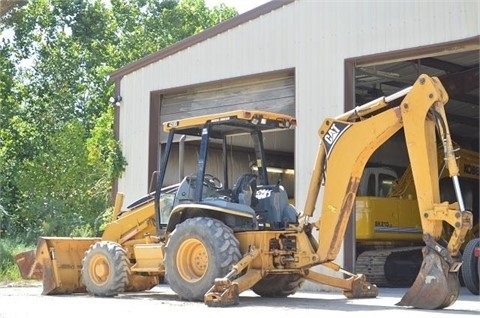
x,y
437,284
422,151
347,143
345,147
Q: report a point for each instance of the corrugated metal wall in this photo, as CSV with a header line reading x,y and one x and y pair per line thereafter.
x,y
314,38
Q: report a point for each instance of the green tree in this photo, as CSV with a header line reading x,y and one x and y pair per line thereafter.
x,y
58,154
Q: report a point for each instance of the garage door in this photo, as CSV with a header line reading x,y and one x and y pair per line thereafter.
x,y
272,92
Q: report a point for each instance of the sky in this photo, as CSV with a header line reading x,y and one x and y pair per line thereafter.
x,y
241,5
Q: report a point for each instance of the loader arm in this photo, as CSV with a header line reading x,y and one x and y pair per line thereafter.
x,y
348,141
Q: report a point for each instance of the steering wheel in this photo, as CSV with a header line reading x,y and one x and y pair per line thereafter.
x,y
212,182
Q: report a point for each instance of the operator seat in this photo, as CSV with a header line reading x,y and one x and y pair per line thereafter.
x,y
244,189
273,206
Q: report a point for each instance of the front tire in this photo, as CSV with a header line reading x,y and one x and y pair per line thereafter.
x,y
278,285
105,269
198,251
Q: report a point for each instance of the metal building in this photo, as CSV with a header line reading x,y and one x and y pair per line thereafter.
x,y
311,59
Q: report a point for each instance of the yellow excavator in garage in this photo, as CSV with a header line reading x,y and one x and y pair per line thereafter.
x,y
388,227
210,242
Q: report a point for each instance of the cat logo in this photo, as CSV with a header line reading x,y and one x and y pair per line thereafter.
x,y
172,124
332,134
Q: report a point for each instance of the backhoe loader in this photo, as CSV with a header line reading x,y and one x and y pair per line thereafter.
x,y
211,242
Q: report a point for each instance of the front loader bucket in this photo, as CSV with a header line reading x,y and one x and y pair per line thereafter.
x,y
28,265
435,286
58,262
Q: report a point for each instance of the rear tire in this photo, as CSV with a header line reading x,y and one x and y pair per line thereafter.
x,y
470,267
105,269
278,285
198,251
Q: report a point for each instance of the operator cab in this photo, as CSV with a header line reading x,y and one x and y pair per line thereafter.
x,y
252,202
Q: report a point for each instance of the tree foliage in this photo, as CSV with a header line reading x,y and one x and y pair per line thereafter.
x,y
58,155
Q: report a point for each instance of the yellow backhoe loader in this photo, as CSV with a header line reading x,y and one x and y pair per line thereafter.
x,y
211,242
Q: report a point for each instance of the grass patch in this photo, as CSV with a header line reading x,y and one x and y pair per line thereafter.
x,y
8,269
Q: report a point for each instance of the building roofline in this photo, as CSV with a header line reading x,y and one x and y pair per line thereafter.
x,y
199,37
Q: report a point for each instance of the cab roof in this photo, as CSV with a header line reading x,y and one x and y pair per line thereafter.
x,y
230,123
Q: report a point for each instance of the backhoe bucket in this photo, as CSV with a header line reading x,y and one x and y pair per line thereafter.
x,y
57,261
435,286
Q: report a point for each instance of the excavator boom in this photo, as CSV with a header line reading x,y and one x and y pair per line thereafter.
x,y
350,139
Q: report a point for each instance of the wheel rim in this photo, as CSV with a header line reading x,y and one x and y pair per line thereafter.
x,y
99,269
192,260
